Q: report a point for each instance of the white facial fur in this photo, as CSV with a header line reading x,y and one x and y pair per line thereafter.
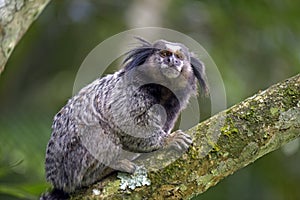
x,y
173,48
172,71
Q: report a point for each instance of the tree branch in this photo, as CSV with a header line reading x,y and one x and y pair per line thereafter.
x,y
16,17
222,144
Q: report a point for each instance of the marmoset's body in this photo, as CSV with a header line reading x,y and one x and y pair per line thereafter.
x,y
132,110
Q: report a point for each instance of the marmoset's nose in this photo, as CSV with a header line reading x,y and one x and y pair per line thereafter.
x,y
176,62
172,60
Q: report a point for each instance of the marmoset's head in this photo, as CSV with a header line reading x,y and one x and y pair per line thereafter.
x,y
169,60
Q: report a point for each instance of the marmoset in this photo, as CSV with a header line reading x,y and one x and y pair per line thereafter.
x,y
132,110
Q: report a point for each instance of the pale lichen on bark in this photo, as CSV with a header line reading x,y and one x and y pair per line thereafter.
x,y
222,144
15,18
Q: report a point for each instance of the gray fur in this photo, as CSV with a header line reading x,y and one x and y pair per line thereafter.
x,y
113,119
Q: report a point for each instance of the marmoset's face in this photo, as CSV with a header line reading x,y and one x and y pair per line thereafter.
x,y
172,58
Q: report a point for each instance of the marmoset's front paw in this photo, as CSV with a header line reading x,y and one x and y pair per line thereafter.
x,y
179,141
124,166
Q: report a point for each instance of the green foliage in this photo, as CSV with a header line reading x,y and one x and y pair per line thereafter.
x,y
22,150
254,44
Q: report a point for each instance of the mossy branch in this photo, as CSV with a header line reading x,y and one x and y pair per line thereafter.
x,y
222,144
16,17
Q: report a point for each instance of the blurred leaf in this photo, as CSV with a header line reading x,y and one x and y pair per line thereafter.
x,y
15,191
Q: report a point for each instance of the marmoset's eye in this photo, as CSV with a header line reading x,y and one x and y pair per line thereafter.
x,y
165,53
180,56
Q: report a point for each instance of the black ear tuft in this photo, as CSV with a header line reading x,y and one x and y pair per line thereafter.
x,y
139,55
199,71
143,41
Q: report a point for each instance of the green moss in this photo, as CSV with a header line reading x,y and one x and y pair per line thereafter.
x,y
229,127
112,187
227,130
213,146
293,93
193,153
205,179
274,110
183,187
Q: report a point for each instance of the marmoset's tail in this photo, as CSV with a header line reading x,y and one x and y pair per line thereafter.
x,y
55,194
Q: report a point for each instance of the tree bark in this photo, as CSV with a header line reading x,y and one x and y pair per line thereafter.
x,y
222,145
15,18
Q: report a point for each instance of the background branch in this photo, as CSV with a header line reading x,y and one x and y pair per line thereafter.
x,y
222,144
41,76
16,17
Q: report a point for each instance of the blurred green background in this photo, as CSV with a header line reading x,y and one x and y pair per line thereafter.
x,y
253,43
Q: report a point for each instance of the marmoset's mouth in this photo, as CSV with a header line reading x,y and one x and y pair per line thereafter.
x,y
170,71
